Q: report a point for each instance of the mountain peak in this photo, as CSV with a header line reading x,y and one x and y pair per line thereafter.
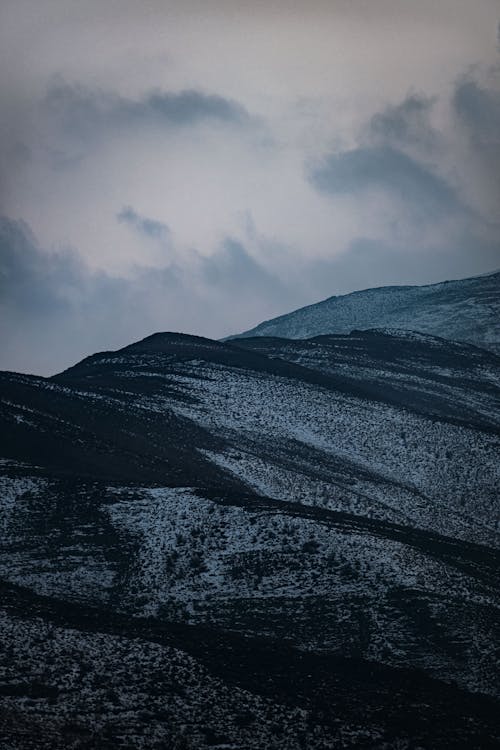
x,y
167,341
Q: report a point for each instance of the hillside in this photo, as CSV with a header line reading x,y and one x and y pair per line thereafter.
x,y
467,310
258,544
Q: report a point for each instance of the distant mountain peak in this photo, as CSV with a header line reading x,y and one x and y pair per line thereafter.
x,y
465,310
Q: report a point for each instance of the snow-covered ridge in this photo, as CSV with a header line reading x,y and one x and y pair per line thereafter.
x,y
465,310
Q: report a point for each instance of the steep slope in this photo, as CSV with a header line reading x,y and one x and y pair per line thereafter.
x,y
268,543
467,310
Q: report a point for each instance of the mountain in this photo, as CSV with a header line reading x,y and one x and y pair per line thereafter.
x,y
263,543
467,310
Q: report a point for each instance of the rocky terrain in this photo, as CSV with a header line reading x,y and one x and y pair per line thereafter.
x,y
263,543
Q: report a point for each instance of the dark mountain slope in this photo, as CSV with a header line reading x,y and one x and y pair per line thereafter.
x,y
97,433
334,691
424,373
267,543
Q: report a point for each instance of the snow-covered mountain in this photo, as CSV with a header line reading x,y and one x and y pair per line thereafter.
x,y
258,544
467,310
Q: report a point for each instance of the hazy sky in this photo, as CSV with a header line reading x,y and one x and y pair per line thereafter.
x,y
202,166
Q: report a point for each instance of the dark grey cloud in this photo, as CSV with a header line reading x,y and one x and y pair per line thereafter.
x,y
424,169
407,123
85,112
31,281
441,226
230,266
396,148
53,308
188,107
233,265
390,170
151,228
478,109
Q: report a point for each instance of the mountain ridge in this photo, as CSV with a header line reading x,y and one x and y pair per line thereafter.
x,y
465,310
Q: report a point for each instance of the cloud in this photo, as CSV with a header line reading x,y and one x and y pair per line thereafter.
x,y
86,112
54,310
422,194
151,228
187,107
233,265
407,123
33,282
477,109
387,169
431,162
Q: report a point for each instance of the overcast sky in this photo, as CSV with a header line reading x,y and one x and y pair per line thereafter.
x,y
202,166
